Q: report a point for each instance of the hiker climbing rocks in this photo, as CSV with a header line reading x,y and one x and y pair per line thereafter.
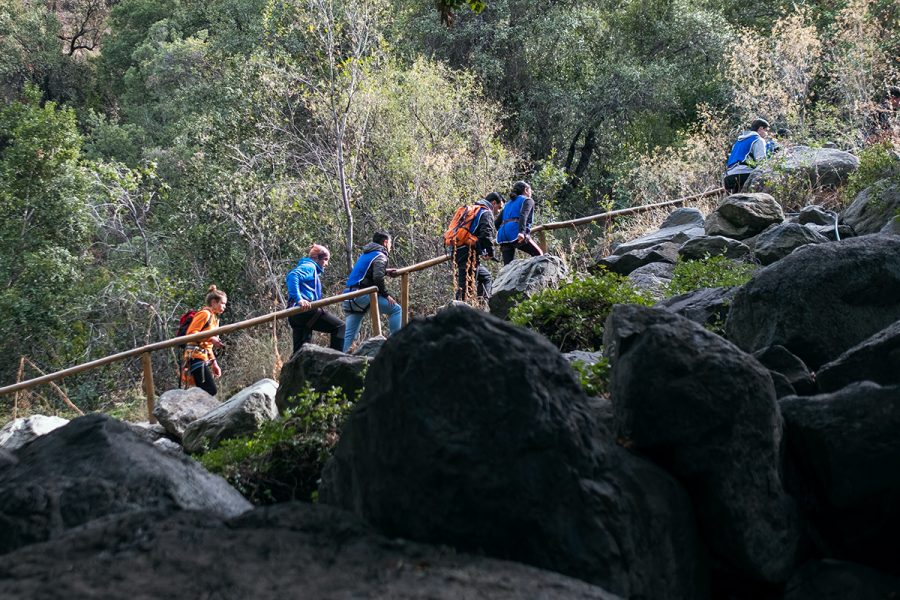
x,y
200,367
304,285
471,238
370,269
746,154
514,227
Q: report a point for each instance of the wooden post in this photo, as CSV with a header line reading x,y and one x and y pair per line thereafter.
x,y
404,298
542,240
19,375
374,313
148,385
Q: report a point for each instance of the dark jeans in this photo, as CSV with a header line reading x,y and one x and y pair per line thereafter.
x,y
203,377
528,246
734,183
483,279
319,319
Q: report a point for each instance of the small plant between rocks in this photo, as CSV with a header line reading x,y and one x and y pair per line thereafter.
x,y
572,316
594,377
284,460
709,272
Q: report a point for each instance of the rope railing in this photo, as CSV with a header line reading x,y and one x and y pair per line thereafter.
x,y
404,273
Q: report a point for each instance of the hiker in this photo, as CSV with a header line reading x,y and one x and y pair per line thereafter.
x,y
305,286
885,117
370,269
746,154
200,366
472,244
514,229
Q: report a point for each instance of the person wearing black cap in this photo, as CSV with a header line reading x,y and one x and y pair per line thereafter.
x,y
469,269
514,227
746,154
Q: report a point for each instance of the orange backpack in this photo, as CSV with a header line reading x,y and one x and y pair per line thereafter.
x,y
464,222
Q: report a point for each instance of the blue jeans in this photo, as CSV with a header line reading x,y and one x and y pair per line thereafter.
x,y
357,308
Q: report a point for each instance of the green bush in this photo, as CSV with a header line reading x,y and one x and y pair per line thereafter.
x,y
875,164
572,316
284,459
594,378
709,272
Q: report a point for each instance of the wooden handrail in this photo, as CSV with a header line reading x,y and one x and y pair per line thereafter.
x,y
403,273
623,211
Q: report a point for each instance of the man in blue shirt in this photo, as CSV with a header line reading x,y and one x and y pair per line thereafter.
x,y
746,154
304,286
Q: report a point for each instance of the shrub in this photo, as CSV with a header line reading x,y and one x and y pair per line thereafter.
x,y
572,316
594,377
709,272
284,459
875,164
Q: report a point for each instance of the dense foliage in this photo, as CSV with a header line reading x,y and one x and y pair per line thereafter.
x,y
149,148
709,272
284,460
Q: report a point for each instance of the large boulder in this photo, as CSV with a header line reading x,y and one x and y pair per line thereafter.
x,y
713,245
820,300
370,347
844,457
19,432
653,278
741,216
176,409
778,241
291,550
779,360
680,226
241,415
623,264
803,167
816,215
697,405
320,369
475,433
523,278
97,466
707,306
875,359
873,208
839,580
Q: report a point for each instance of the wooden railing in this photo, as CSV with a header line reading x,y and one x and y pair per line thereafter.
x,y
404,273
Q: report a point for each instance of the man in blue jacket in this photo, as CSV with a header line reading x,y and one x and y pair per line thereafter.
x,y
370,270
747,152
304,286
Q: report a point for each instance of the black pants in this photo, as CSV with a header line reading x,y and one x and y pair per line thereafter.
x,y
203,377
528,246
303,324
483,279
734,183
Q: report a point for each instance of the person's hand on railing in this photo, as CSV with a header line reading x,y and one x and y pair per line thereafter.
x,y
216,342
390,272
303,303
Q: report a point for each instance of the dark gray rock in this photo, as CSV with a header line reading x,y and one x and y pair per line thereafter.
x,y
523,278
892,227
150,432
827,231
844,457
707,306
715,245
874,207
241,415
802,166
697,405
839,580
624,264
7,459
19,432
321,369
291,550
778,241
370,347
588,358
176,409
875,359
816,215
529,475
96,466
783,387
820,300
653,278
780,360
683,216
742,216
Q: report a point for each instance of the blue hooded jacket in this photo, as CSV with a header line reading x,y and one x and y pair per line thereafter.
x,y
509,220
303,282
